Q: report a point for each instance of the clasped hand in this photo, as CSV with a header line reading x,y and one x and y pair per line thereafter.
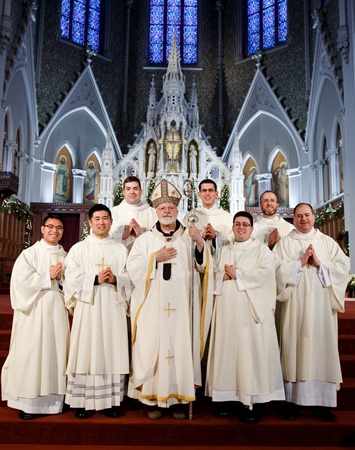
x,y
310,257
230,272
55,271
133,229
106,276
209,232
273,238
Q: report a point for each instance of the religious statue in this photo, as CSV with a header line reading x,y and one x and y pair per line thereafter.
x,y
173,145
151,158
90,182
281,183
251,186
62,177
193,159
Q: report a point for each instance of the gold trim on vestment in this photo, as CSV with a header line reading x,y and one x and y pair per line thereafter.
x,y
153,397
147,282
204,304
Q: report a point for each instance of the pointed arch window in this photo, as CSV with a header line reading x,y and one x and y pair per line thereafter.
x,y
169,17
82,22
267,24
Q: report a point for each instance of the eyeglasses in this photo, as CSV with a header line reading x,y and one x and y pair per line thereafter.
x,y
241,225
51,227
268,200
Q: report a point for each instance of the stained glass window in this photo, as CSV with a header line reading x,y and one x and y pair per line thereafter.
x,y
81,22
267,24
168,18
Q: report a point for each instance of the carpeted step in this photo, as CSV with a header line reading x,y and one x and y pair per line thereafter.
x,y
346,343
151,447
347,363
6,321
346,394
5,336
4,288
205,429
3,356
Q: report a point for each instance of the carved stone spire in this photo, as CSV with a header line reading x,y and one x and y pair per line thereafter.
x,y
173,86
106,175
193,107
237,177
152,105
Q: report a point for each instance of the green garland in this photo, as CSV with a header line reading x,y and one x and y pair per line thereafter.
x,y
224,202
118,194
12,205
328,212
150,189
85,232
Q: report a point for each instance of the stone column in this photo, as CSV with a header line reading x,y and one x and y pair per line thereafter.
x,y
47,182
78,185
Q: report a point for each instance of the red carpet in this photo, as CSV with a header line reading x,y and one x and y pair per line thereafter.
x,y
134,431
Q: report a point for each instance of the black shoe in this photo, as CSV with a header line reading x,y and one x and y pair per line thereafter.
x,y
224,410
112,412
25,416
81,413
224,413
325,414
289,411
250,415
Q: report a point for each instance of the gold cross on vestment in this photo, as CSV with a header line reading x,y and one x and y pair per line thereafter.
x,y
103,265
169,357
169,309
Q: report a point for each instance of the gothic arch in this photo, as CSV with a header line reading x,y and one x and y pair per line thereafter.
x,y
335,130
68,148
22,112
66,128
323,119
262,133
273,155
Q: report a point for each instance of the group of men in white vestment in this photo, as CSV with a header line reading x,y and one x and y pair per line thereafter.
x,y
207,285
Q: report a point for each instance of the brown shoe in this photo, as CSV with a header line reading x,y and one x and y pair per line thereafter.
x,y
154,414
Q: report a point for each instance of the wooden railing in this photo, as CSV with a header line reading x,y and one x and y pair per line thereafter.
x,y
333,222
12,236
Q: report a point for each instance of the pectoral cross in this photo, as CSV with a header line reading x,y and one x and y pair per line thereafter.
x,y
103,265
169,357
169,309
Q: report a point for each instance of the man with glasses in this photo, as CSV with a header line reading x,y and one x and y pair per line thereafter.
x,y
243,360
271,227
97,289
213,222
33,375
132,216
166,345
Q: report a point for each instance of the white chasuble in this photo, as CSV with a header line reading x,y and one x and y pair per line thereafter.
x,y
35,366
243,361
165,370
221,220
99,342
309,307
263,227
122,214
